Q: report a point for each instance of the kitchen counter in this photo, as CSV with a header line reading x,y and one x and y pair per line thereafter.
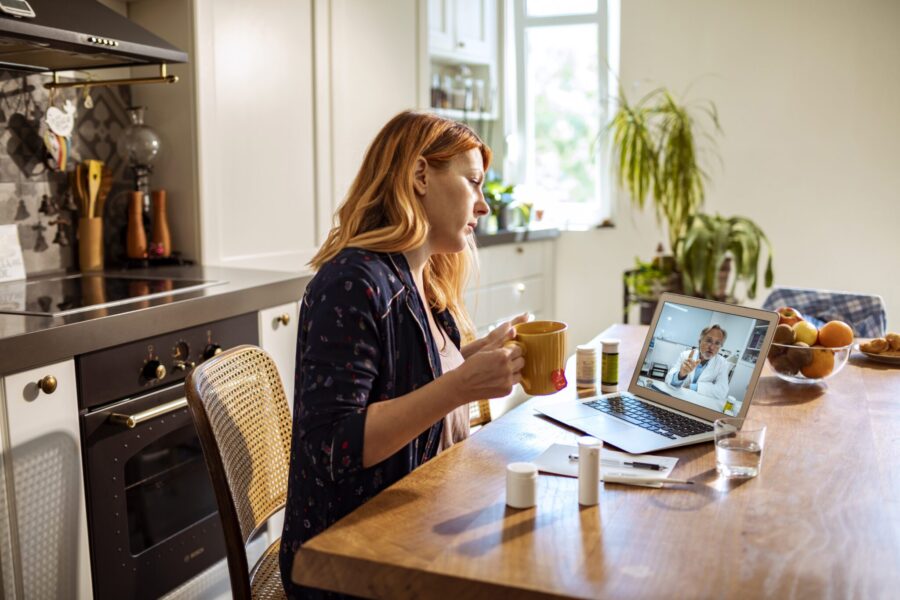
x,y
516,236
32,341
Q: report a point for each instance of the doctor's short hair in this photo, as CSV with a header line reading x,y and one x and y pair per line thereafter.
x,y
710,328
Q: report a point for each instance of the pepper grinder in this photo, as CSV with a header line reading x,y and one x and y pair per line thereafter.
x,y
161,239
136,238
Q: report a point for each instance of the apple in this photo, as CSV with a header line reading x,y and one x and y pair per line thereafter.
x,y
788,315
805,332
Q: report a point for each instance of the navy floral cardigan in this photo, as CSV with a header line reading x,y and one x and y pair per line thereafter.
x,y
363,337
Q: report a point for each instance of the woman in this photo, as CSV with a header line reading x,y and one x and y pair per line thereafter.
x,y
380,363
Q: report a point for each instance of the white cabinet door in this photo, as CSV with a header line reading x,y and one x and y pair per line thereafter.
x,y
373,75
440,26
475,24
278,337
255,132
47,504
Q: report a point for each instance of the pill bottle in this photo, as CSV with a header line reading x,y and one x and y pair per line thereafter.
x,y
586,366
609,369
521,484
589,470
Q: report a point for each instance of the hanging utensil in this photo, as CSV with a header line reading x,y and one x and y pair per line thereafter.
x,y
80,189
95,173
106,183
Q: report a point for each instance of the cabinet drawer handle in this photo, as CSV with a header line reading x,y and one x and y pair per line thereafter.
x,y
520,250
47,384
284,319
132,421
520,288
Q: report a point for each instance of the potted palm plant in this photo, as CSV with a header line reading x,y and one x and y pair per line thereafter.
x,y
655,155
712,246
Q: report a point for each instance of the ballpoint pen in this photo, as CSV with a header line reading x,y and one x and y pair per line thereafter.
x,y
633,464
632,480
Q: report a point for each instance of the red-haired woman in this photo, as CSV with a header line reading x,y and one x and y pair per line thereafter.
x,y
387,359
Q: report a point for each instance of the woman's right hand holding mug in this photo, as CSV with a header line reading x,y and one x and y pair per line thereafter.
x,y
490,373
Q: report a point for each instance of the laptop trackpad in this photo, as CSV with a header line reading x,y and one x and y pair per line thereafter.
x,y
609,429
585,418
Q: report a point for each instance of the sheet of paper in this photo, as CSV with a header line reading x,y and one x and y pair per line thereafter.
x,y
12,266
555,460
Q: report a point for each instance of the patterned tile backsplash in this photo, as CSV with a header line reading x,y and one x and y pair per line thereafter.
x,y
34,196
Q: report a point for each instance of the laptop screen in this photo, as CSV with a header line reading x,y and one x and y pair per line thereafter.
x,y
703,356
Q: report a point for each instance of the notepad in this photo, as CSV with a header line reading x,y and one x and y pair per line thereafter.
x,y
555,461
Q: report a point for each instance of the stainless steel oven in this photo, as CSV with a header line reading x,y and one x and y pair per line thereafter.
x,y
152,517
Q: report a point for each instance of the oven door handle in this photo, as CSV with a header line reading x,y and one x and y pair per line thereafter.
x,y
132,421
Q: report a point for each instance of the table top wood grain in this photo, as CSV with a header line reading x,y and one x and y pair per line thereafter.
x,y
821,520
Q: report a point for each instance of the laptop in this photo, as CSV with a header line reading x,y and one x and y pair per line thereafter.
x,y
700,362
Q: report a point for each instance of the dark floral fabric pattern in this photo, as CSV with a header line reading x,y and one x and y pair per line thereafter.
x,y
363,337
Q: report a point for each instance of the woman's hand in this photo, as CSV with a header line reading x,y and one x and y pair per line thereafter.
x,y
488,374
498,336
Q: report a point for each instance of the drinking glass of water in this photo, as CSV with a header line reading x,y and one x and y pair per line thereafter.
x,y
739,447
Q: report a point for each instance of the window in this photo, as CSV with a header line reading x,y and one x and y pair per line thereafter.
x,y
566,59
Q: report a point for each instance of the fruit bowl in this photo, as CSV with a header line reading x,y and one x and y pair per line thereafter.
x,y
799,363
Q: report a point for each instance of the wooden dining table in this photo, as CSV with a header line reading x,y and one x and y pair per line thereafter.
x,y
821,520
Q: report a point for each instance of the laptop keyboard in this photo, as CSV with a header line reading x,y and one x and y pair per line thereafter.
x,y
650,417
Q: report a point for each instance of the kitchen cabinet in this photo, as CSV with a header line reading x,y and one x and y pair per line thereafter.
x,y
272,116
278,337
514,278
46,523
239,155
463,31
463,68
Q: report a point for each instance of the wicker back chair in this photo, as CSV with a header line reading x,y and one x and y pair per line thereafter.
x,y
244,424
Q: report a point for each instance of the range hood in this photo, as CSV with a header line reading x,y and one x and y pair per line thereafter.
x,y
68,35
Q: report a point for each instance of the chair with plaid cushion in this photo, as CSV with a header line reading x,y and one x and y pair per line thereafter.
x,y
865,313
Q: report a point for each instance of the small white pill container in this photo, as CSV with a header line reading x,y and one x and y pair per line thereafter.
x,y
589,470
521,484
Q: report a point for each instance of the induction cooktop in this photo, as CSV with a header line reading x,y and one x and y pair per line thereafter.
x,y
59,296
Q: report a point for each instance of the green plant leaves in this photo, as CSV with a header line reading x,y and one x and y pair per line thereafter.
x,y
709,241
655,153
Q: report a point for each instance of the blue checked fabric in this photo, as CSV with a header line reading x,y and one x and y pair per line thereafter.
x,y
863,312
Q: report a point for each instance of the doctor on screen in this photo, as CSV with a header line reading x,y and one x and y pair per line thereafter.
x,y
706,372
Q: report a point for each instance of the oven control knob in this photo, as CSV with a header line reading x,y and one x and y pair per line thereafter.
x,y
153,369
211,350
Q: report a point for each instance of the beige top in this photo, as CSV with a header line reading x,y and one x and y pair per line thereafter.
x,y
456,424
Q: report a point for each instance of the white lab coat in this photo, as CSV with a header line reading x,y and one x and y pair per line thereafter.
x,y
713,380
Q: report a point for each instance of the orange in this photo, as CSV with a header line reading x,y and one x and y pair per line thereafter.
x,y
821,365
835,334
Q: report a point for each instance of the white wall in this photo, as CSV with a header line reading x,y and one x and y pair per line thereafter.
x,y
806,92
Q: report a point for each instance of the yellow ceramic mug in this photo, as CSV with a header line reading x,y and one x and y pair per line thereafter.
x,y
543,345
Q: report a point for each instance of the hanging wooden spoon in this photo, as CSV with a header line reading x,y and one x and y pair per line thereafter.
x,y
95,173
80,189
106,183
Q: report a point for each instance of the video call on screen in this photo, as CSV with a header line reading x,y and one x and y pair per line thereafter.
x,y
719,363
